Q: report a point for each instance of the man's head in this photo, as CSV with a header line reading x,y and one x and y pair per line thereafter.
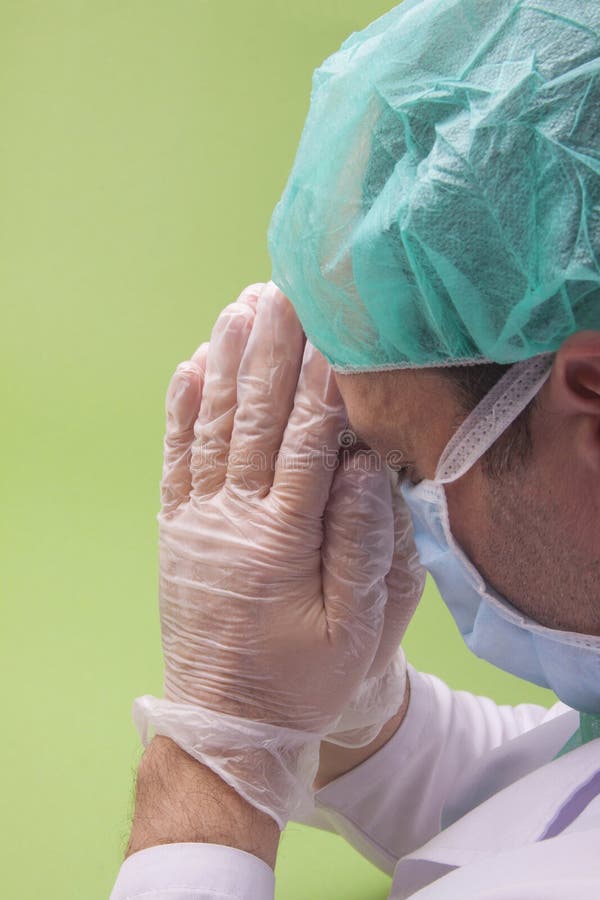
x,y
442,212
527,513
443,203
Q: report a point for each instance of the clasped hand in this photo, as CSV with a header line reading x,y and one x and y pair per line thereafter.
x,y
276,553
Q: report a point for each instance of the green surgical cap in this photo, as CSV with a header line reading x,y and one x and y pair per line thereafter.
x,y
444,204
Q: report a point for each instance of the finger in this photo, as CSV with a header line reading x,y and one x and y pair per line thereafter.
x,y
182,403
267,380
357,556
405,582
309,451
212,430
250,294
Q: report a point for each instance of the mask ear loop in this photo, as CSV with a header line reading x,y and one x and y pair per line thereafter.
x,y
492,416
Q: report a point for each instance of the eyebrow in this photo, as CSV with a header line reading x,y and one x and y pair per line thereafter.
x,y
410,464
362,439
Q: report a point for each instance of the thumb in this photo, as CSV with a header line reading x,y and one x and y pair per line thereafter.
x,y
405,582
357,554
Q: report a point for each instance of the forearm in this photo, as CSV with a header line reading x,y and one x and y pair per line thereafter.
x,y
335,760
178,800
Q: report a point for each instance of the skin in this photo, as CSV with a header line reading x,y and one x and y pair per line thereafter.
x,y
208,406
532,533
178,800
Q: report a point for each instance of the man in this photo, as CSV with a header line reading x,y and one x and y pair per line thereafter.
x,y
439,241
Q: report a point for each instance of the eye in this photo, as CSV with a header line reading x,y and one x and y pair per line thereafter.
x,y
405,469
402,470
408,473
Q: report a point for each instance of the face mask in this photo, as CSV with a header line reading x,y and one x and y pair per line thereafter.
x,y
566,662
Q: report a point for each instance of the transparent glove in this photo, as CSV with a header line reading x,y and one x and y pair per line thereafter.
x,y
381,693
273,559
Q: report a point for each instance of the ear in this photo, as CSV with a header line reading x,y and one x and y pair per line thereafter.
x,y
574,391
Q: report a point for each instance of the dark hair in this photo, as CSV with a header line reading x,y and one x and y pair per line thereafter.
x,y
512,448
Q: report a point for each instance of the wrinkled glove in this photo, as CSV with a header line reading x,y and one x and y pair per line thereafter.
x,y
380,694
273,559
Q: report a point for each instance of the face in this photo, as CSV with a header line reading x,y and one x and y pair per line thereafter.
x,y
532,532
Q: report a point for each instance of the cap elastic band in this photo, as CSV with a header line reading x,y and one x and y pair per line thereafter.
x,y
492,416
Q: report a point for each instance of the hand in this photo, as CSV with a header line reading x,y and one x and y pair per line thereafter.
x,y
383,690
380,694
180,801
273,559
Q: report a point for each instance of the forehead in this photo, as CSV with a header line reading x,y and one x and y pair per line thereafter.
x,y
415,410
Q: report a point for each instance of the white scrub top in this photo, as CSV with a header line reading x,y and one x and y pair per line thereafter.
x,y
464,801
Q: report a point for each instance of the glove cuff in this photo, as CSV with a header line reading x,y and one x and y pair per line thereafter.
x,y
377,700
272,768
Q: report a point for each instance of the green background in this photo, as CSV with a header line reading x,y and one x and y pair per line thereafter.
x,y
143,146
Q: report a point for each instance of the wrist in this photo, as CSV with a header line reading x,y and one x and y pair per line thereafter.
x,y
180,800
335,760
376,702
270,766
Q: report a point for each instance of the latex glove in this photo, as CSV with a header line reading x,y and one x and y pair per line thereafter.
x,y
273,562
381,693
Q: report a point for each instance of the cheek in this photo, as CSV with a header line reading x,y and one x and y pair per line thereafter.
x,y
469,509
495,532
